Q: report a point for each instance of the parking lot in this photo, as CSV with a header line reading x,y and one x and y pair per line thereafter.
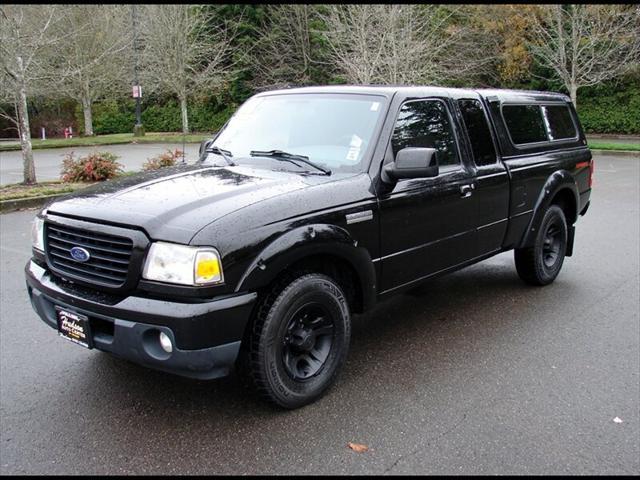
x,y
48,161
473,373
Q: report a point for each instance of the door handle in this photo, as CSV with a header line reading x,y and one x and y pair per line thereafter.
x,y
466,190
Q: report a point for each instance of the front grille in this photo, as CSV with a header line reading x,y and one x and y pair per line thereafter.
x,y
109,259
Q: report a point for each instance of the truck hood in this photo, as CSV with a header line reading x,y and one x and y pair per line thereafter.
x,y
173,204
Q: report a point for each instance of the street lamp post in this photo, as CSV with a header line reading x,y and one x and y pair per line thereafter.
x,y
138,129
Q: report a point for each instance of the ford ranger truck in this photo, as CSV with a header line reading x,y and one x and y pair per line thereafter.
x,y
309,206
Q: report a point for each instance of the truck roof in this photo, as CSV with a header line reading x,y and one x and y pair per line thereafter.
x,y
504,95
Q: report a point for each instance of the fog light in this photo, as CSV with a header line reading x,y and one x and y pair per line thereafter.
x,y
165,342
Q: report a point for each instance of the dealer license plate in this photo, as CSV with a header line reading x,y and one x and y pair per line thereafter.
x,y
74,327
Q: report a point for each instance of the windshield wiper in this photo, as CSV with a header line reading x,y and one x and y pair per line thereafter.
x,y
289,157
223,153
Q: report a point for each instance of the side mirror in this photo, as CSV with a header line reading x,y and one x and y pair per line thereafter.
x,y
203,146
412,163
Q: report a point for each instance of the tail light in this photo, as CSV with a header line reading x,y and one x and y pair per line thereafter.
x,y
591,165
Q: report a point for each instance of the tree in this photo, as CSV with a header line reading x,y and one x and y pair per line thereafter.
x,y
182,53
90,62
288,48
25,42
584,45
505,27
401,44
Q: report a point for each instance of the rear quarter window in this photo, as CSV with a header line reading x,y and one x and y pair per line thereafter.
x,y
478,131
525,123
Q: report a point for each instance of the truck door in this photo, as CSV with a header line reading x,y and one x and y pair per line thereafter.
x,y
427,224
491,177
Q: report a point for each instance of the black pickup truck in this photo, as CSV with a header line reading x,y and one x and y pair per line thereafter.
x,y
308,206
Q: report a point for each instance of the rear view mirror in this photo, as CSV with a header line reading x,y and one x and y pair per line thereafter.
x,y
412,163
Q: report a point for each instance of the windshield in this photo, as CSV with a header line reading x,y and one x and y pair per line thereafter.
x,y
332,130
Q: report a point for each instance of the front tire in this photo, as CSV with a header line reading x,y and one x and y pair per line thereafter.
x,y
540,264
300,340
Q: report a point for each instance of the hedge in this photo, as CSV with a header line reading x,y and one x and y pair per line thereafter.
x,y
611,111
114,116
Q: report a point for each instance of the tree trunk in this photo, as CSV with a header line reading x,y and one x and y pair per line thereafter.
x,y
29,169
573,92
185,118
88,117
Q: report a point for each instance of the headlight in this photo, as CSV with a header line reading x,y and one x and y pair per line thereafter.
x,y
37,233
172,263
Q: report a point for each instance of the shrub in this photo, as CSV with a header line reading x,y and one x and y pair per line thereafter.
x,y
95,167
167,159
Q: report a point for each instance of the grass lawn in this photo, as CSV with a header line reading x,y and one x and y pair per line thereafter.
x,y
114,139
600,145
160,137
18,190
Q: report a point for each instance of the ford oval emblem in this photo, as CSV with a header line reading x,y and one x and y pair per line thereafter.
x,y
80,254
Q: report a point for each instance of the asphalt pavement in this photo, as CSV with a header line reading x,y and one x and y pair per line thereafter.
x,y
474,373
48,161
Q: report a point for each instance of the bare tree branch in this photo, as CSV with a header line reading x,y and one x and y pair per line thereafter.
x,y
585,45
25,40
401,44
183,54
89,64
284,51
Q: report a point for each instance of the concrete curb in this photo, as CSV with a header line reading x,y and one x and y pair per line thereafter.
x,y
7,206
612,136
622,153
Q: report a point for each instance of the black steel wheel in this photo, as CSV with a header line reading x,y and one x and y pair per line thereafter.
x,y
307,341
552,243
300,340
540,263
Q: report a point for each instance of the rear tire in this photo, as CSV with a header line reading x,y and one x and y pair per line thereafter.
x,y
540,264
299,341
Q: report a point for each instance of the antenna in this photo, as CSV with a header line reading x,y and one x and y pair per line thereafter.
x,y
183,148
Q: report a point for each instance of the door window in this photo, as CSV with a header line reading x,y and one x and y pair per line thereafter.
x,y
426,124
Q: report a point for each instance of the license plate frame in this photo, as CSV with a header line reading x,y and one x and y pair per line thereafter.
x,y
74,327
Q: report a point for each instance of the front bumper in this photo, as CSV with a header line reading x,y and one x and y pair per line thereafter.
x,y
206,335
